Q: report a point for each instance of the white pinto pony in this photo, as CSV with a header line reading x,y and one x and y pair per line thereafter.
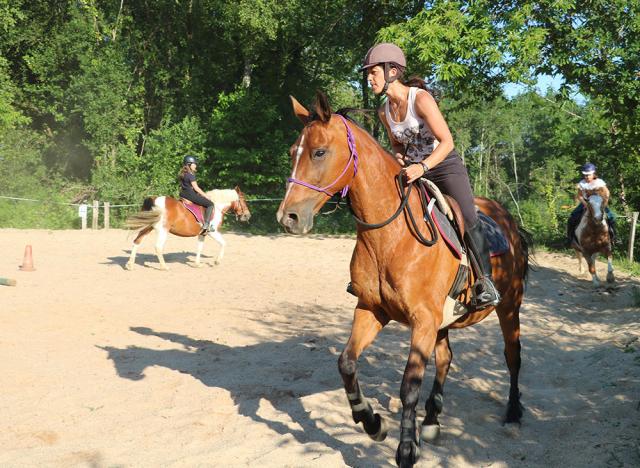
x,y
167,215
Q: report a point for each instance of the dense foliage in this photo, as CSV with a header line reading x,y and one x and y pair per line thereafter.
x,y
101,99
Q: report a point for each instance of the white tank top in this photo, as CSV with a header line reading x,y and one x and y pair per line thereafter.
x,y
413,132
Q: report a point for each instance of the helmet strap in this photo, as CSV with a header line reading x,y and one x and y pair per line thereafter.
x,y
387,79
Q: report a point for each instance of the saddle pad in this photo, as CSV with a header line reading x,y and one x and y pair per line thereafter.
x,y
196,210
445,228
498,243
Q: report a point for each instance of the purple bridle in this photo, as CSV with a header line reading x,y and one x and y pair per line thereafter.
x,y
352,157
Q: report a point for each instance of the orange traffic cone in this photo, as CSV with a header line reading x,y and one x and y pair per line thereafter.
x,y
27,263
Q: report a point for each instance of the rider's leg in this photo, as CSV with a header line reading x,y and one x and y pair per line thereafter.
x,y
207,216
485,291
611,222
572,223
452,179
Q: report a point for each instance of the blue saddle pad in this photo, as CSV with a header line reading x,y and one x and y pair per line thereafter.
x,y
498,243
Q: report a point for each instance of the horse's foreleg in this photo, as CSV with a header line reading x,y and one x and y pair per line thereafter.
x,y
218,238
160,241
509,315
610,277
364,329
422,343
199,251
579,257
430,425
592,269
136,243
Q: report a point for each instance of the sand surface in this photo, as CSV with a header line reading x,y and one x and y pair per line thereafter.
x,y
235,364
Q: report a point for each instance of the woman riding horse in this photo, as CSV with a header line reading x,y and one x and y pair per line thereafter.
x,y
189,190
590,181
424,146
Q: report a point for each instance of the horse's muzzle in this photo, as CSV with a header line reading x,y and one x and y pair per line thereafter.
x,y
295,222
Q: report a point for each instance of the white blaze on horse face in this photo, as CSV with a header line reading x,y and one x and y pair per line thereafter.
x,y
299,151
596,203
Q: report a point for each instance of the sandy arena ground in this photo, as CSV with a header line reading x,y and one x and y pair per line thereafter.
x,y
235,364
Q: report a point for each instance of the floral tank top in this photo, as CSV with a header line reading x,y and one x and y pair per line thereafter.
x,y
412,132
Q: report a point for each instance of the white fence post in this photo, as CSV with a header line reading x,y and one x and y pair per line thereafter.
x,y
107,205
82,213
94,214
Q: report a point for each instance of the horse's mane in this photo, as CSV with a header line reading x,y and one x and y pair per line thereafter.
x,y
222,196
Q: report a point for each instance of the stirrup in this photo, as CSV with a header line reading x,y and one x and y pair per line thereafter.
x,y
205,229
489,296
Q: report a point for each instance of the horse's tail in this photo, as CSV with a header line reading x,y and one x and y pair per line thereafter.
x,y
147,217
528,250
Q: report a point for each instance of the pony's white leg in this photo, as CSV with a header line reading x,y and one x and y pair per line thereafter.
x,y
592,270
610,277
200,246
132,257
162,238
218,238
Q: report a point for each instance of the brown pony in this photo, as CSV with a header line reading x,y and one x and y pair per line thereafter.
x,y
167,215
592,233
394,276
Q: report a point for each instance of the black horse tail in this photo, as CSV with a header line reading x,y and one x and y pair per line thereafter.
x,y
147,205
528,250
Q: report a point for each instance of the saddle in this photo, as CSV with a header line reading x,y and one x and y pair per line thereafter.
x,y
447,217
195,210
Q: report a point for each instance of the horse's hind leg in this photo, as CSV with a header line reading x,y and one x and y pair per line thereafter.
x,y
423,340
433,407
162,238
365,327
509,315
136,244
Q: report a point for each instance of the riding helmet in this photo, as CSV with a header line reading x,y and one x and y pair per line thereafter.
x,y
384,53
588,168
189,160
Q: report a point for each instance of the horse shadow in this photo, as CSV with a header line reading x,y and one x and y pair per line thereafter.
x,y
151,260
282,373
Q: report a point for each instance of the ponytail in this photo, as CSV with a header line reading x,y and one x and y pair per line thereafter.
x,y
417,82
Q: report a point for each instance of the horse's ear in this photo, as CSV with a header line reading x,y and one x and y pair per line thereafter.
x,y
301,112
322,107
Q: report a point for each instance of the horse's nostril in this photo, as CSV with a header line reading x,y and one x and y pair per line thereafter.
x,y
292,217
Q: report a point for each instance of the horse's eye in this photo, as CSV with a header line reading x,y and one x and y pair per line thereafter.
x,y
318,154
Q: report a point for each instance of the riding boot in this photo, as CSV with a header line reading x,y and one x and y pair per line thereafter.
x,y
613,238
207,220
484,291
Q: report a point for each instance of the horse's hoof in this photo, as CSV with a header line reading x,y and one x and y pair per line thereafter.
x,y
217,262
407,454
514,414
611,278
198,265
430,432
128,267
382,432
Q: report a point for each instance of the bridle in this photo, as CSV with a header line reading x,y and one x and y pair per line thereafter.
x,y
353,156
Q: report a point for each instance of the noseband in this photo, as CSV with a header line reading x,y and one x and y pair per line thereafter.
x,y
353,156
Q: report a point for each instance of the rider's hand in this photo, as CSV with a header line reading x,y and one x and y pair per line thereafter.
x,y
413,172
400,158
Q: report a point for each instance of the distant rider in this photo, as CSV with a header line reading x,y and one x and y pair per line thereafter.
x,y
190,190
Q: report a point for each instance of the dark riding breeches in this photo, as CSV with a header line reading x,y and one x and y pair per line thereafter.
x,y
452,179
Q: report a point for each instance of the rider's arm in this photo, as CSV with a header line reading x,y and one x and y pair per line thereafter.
x,y
427,109
194,184
398,148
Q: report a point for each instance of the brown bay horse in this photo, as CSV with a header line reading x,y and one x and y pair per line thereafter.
x,y
394,276
167,215
592,233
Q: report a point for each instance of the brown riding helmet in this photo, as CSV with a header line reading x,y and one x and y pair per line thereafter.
x,y
384,53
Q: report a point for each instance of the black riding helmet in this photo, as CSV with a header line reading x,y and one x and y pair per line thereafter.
x,y
189,160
